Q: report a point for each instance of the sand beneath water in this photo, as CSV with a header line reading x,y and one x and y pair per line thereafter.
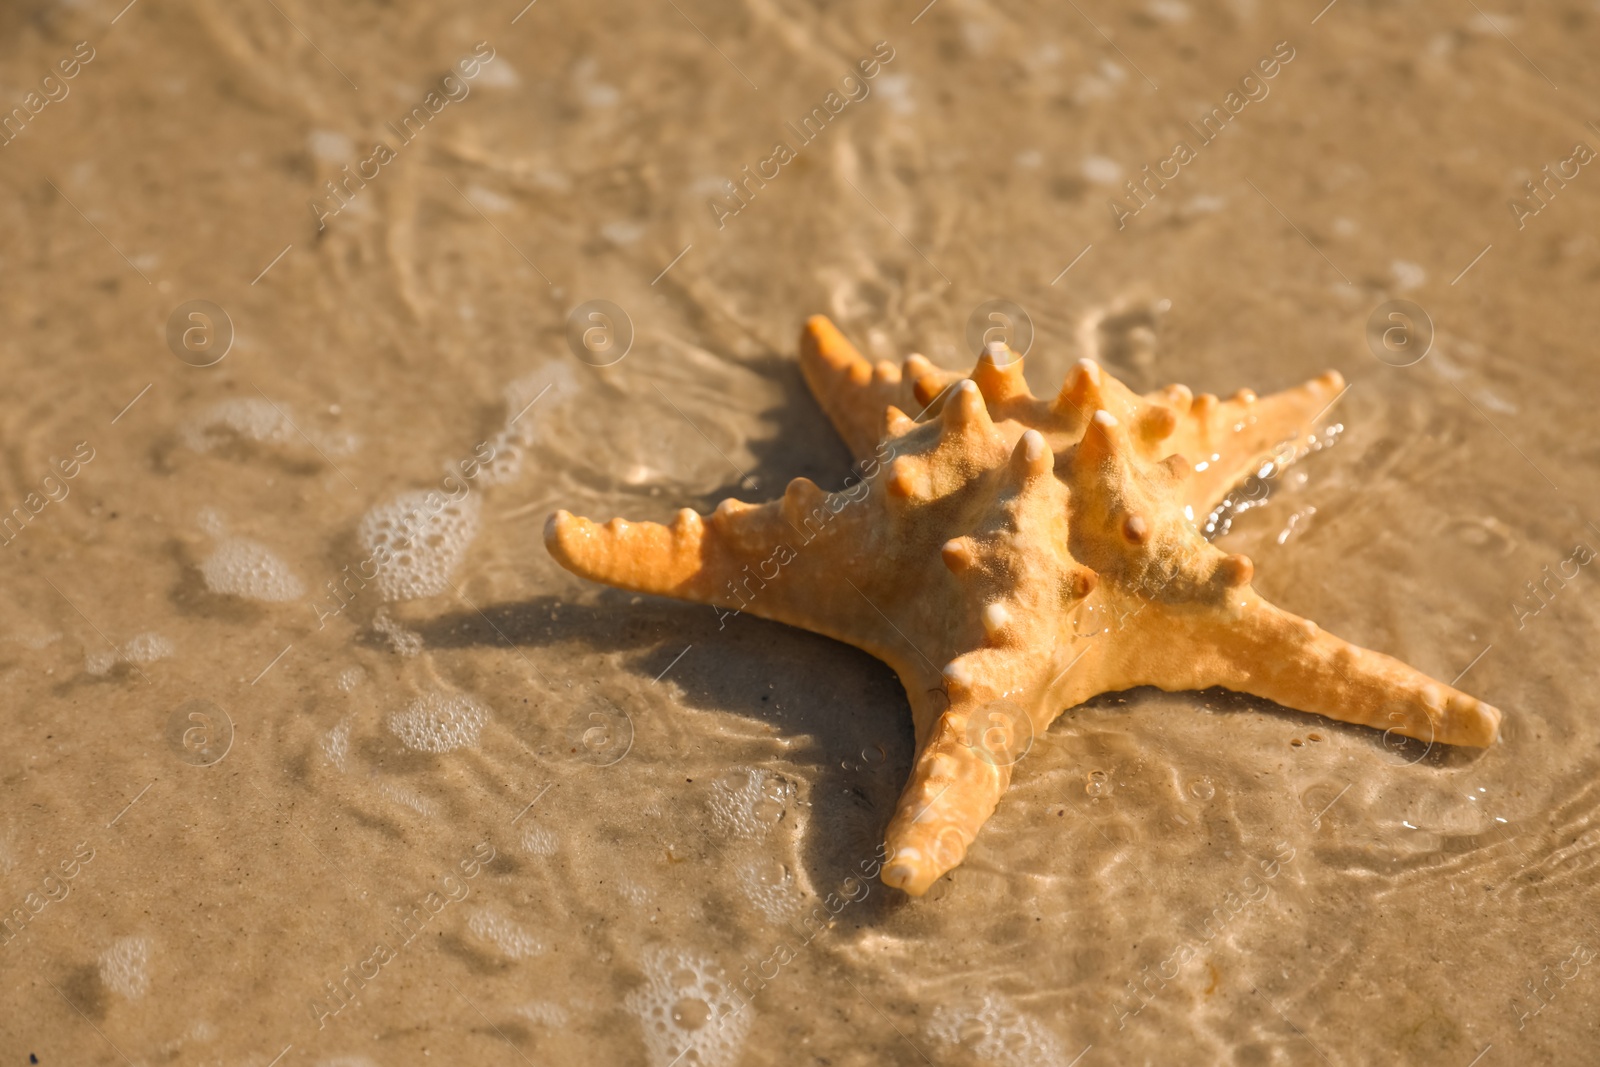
x,y
265,804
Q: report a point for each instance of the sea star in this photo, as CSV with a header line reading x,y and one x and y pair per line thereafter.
x,y
1012,558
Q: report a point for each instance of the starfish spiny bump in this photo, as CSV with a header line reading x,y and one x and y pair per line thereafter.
x,y
1014,556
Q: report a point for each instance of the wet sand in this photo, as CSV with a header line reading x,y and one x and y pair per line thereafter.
x,y
262,807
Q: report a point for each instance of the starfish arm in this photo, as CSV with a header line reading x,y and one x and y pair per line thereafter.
x,y
956,782
644,557
1227,440
781,560
1250,646
856,394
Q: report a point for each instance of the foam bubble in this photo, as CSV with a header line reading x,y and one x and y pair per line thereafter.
x,y
748,801
408,798
141,648
770,886
330,146
511,939
404,642
544,389
351,677
537,841
508,456
146,648
1101,170
500,75
249,569
440,722
259,421
425,534
248,418
33,637
124,967
509,446
211,523
336,744
996,1032
543,1012
688,1010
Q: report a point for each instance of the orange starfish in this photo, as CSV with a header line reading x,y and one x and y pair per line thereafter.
x,y
1014,557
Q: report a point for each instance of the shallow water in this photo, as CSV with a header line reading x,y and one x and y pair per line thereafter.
x,y
226,789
